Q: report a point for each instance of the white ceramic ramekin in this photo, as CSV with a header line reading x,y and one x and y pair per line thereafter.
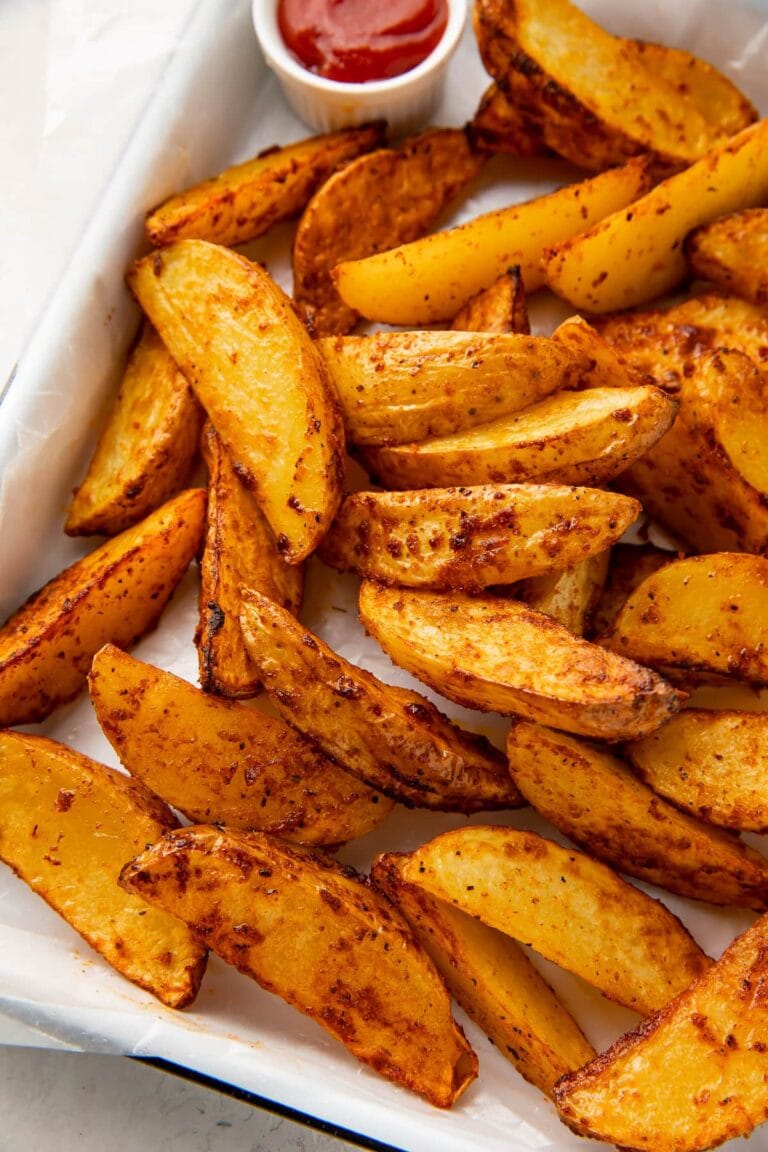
x,y
405,101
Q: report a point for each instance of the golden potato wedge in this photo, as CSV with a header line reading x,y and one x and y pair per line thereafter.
x,y
400,386
392,739
586,437
245,201
628,566
502,656
571,595
236,337
702,618
594,800
219,762
431,279
323,940
239,549
67,826
570,908
696,1073
501,307
504,125
389,197
113,595
596,363
733,253
711,764
473,537
146,448
636,254
493,980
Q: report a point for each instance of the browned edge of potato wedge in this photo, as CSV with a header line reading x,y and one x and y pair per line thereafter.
x,y
218,762
501,307
596,363
570,595
628,566
313,933
113,595
732,252
503,125
67,826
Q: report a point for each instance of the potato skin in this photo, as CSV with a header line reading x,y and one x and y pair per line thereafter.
x,y
501,307
733,253
504,125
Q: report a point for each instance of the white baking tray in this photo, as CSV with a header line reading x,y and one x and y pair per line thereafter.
x,y
218,104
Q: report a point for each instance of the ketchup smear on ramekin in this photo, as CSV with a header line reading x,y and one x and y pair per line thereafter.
x,y
356,41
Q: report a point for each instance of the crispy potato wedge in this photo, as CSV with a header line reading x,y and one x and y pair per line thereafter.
x,y
493,980
503,125
67,825
501,307
571,595
400,386
711,764
239,549
389,197
702,618
570,908
596,363
502,656
431,279
392,739
236,337
245,201
586,437
628,566
113,595
218,762
733,253
146,448
473,537
318,936
695,1074
594,800
637,254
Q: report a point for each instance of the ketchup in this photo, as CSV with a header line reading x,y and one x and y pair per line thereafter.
x,y
359,40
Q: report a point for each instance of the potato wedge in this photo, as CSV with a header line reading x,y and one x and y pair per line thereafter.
x,y
392,739
218,762
592,797
146,448
400,386
596,363
702,618
67,825
570,908
733,253
113,595
502,656
431,279
239,549
586,437
501,307
504,125
234,334
389,197
308,930
637,254
696,1073
245,201
571,595
473,537
711,764
493,980
628,566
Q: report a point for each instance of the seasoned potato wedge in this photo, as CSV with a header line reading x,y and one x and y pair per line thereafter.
x,y
218,762
733,253
236,337
593,798
473,537
392,739
584,437
502,656
67,826
400,386
239,549
245,201
629,565
637,254
430,279
712,764
389,197
308,930
702,618
570,596
113,595
493,980
696,1074
146,448
570,908
501,307
596,363
504,125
